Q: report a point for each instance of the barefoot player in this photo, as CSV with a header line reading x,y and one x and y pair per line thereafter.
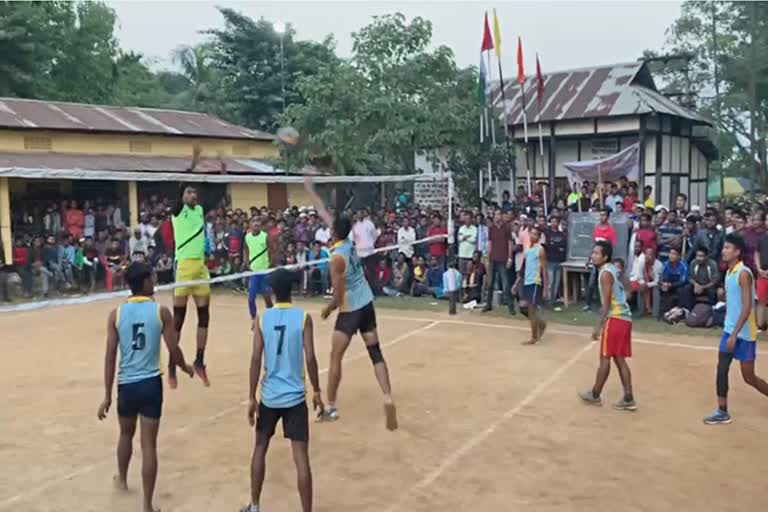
x,y
189,241
740,328
283,336
535,286
353,297
134,328
614,327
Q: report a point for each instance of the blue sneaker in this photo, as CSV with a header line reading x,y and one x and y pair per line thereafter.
x,y
719,417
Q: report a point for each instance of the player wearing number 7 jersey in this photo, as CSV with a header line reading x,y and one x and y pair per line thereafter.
x,y
134,329
282,338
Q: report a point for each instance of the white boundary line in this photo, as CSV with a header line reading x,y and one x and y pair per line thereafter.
x,y
181,430
478,438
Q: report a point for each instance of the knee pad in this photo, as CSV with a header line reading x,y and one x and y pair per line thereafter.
x,y
179,312
375,352
203,316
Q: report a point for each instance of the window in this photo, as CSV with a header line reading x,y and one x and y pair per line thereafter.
x,y
37,143
140,146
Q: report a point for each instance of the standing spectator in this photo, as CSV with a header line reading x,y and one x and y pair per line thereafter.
x,y
323,234
681,205
52,220
506,204
364,234
233,239
670,233
91,266
67,260
438,248
613,198
138,242
101,220
500,253
89,223
74,220
452,286
752,235
36,265
710,236
648,201
761,278
555,246
406,235
467,242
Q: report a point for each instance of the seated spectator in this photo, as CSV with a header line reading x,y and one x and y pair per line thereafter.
x,y
318,277
673,277
472,285
703,278
164,269
419,286
138,242
401,275
644,285
435,277
115,258
51,261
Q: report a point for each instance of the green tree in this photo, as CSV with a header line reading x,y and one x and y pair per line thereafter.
x,y
394,97
247,55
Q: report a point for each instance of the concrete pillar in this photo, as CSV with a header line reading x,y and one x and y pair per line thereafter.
x,y
5,220
133,204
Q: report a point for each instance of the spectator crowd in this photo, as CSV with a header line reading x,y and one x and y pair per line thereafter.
x,y
672,271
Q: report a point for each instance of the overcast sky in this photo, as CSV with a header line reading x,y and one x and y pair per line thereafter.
x,y
566,34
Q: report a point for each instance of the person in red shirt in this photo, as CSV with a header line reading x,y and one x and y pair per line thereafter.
x,y
603,231
74,220
438,248
645,234
630,198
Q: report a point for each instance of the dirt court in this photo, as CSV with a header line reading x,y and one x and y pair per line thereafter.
x,y
486,424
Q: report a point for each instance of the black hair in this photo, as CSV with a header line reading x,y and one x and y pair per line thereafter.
x,y
606,248
648,187
739,214
619,261
606,211
452,263
135,276
737,241
646,216
341,227
703,248
281,281
683,196
676,249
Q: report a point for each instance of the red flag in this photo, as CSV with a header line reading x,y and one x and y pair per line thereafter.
x,y
539,82
520,70
487,39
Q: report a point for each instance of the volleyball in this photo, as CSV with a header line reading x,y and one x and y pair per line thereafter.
x,y
288,137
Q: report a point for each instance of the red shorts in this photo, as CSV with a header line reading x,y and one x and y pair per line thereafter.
x,y
762,291
616,340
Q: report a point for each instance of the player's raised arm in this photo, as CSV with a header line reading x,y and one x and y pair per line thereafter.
x,y
175,354
110,364
337,268
322,211
255,372
311,361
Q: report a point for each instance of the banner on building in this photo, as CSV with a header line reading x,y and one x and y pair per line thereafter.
x,y
625,163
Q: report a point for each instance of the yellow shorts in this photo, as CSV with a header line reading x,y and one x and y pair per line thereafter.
x,y
192,270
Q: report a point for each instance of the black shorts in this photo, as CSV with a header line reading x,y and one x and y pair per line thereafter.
x,y
532,294
144,397
295,421
362,320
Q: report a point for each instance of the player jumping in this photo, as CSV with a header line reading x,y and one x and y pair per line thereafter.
x,y
535,285
353,297
615,329
256,253
188,223
739,330
285,338
135,329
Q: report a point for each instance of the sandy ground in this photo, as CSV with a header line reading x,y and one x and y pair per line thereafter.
x,y
486,424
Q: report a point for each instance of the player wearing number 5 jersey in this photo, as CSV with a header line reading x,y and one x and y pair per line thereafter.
x,y
353,297
282,338
134,329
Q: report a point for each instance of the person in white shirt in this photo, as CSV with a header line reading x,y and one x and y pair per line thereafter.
x,y
644,281
323,234
452,286
406,235
467,242
364,233
138,242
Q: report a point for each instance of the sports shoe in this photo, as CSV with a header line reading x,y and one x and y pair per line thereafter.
x,y
202,373
719,417
330,414
589,398
625,405
250,508
586,309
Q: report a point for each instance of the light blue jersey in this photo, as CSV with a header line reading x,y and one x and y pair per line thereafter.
x,y
139,329
358,293
533,265
619,307
282,328
734,306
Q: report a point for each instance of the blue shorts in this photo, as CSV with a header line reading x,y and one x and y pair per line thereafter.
x,y
532,294
744,350
259,284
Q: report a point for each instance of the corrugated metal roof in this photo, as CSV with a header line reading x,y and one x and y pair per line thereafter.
x,y
602,91
52,115
119,163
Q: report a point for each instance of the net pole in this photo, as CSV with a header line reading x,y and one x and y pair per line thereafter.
x,y
449,224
